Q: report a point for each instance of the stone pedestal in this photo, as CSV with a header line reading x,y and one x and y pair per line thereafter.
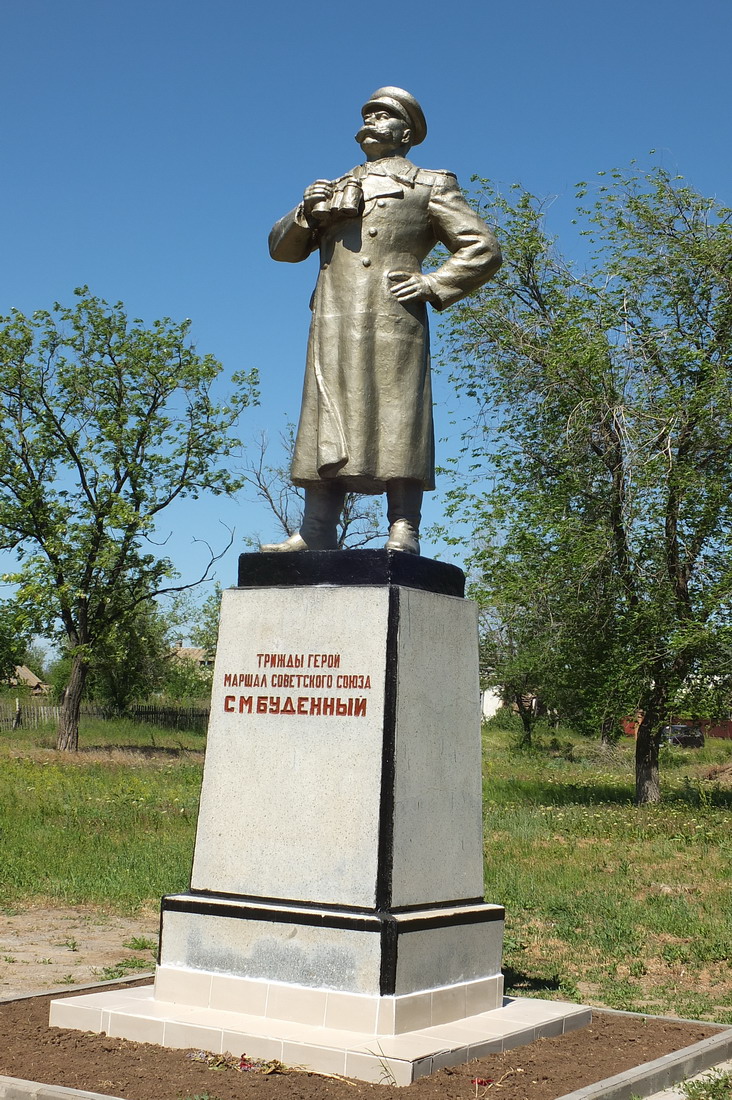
x,y
337,882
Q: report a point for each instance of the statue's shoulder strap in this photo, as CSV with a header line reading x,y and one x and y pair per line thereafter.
x,y
356,173
432,176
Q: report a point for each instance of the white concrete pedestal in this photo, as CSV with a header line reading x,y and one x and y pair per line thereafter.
x,y
337,881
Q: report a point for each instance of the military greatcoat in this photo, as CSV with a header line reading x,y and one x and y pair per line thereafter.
x,y
366,415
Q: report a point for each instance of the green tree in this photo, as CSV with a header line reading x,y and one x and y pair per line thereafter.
x,y
548,632
57,676
104,424
191,620
36,659
129,663
15,635
606,414
186,681
509,659
205,631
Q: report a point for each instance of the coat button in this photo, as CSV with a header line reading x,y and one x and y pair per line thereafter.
x,y
366,261
373,232
381,202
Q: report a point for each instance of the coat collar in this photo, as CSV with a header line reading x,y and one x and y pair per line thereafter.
x,y
396,168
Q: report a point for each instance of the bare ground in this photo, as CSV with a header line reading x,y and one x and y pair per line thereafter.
x,y
544,1070
47,947
43,948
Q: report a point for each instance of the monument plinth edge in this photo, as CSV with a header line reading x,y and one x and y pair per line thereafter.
x,y
373,568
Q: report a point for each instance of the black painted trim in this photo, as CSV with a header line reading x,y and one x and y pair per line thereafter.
x,y
418,907
389,948
385,858
480,916
296,903
190,904
350,567
357,910
385,923
160,930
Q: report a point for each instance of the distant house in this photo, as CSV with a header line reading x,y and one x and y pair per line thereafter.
x,y
24,676
490,702
711,727
203,658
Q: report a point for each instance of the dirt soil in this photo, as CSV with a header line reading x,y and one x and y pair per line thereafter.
x,y
546,1069
51,947
720,773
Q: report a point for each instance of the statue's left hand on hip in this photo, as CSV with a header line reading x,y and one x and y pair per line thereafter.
x,y
410,286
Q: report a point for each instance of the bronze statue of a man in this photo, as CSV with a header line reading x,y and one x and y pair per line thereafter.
x,y
366,417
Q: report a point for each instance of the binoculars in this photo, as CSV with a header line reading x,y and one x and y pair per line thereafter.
x,y
345,202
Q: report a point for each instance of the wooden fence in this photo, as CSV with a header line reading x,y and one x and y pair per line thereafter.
x,y
193,718
33,713
30,714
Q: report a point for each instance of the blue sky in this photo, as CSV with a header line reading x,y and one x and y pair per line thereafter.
x,y
149,146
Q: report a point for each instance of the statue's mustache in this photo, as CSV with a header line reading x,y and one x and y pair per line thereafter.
x,y
377,132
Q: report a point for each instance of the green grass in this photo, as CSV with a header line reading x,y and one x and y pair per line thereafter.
x,y
716,1085
606,903
140,943
97,734
104,827
123,969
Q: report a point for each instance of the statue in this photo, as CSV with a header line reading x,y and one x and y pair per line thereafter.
x,y
366,416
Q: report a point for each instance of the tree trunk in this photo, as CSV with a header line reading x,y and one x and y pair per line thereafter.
x,y
526,714
647,784
67,737
608,731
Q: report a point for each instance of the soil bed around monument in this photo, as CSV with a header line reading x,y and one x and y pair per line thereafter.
x,y
544,1070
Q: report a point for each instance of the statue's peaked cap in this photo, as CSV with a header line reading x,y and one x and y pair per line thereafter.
x,y
405,105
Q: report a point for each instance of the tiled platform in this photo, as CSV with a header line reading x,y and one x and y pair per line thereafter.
x,y
396,1059
329,1008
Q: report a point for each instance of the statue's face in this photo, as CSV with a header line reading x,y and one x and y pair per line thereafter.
x,y
383,133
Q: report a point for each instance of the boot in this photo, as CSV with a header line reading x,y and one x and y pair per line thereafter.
x,y
404,511
295,542
319,527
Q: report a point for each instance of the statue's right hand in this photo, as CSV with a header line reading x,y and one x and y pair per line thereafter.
x,y
320,191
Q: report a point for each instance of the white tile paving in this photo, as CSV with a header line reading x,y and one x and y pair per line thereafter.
x,y
135,1014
